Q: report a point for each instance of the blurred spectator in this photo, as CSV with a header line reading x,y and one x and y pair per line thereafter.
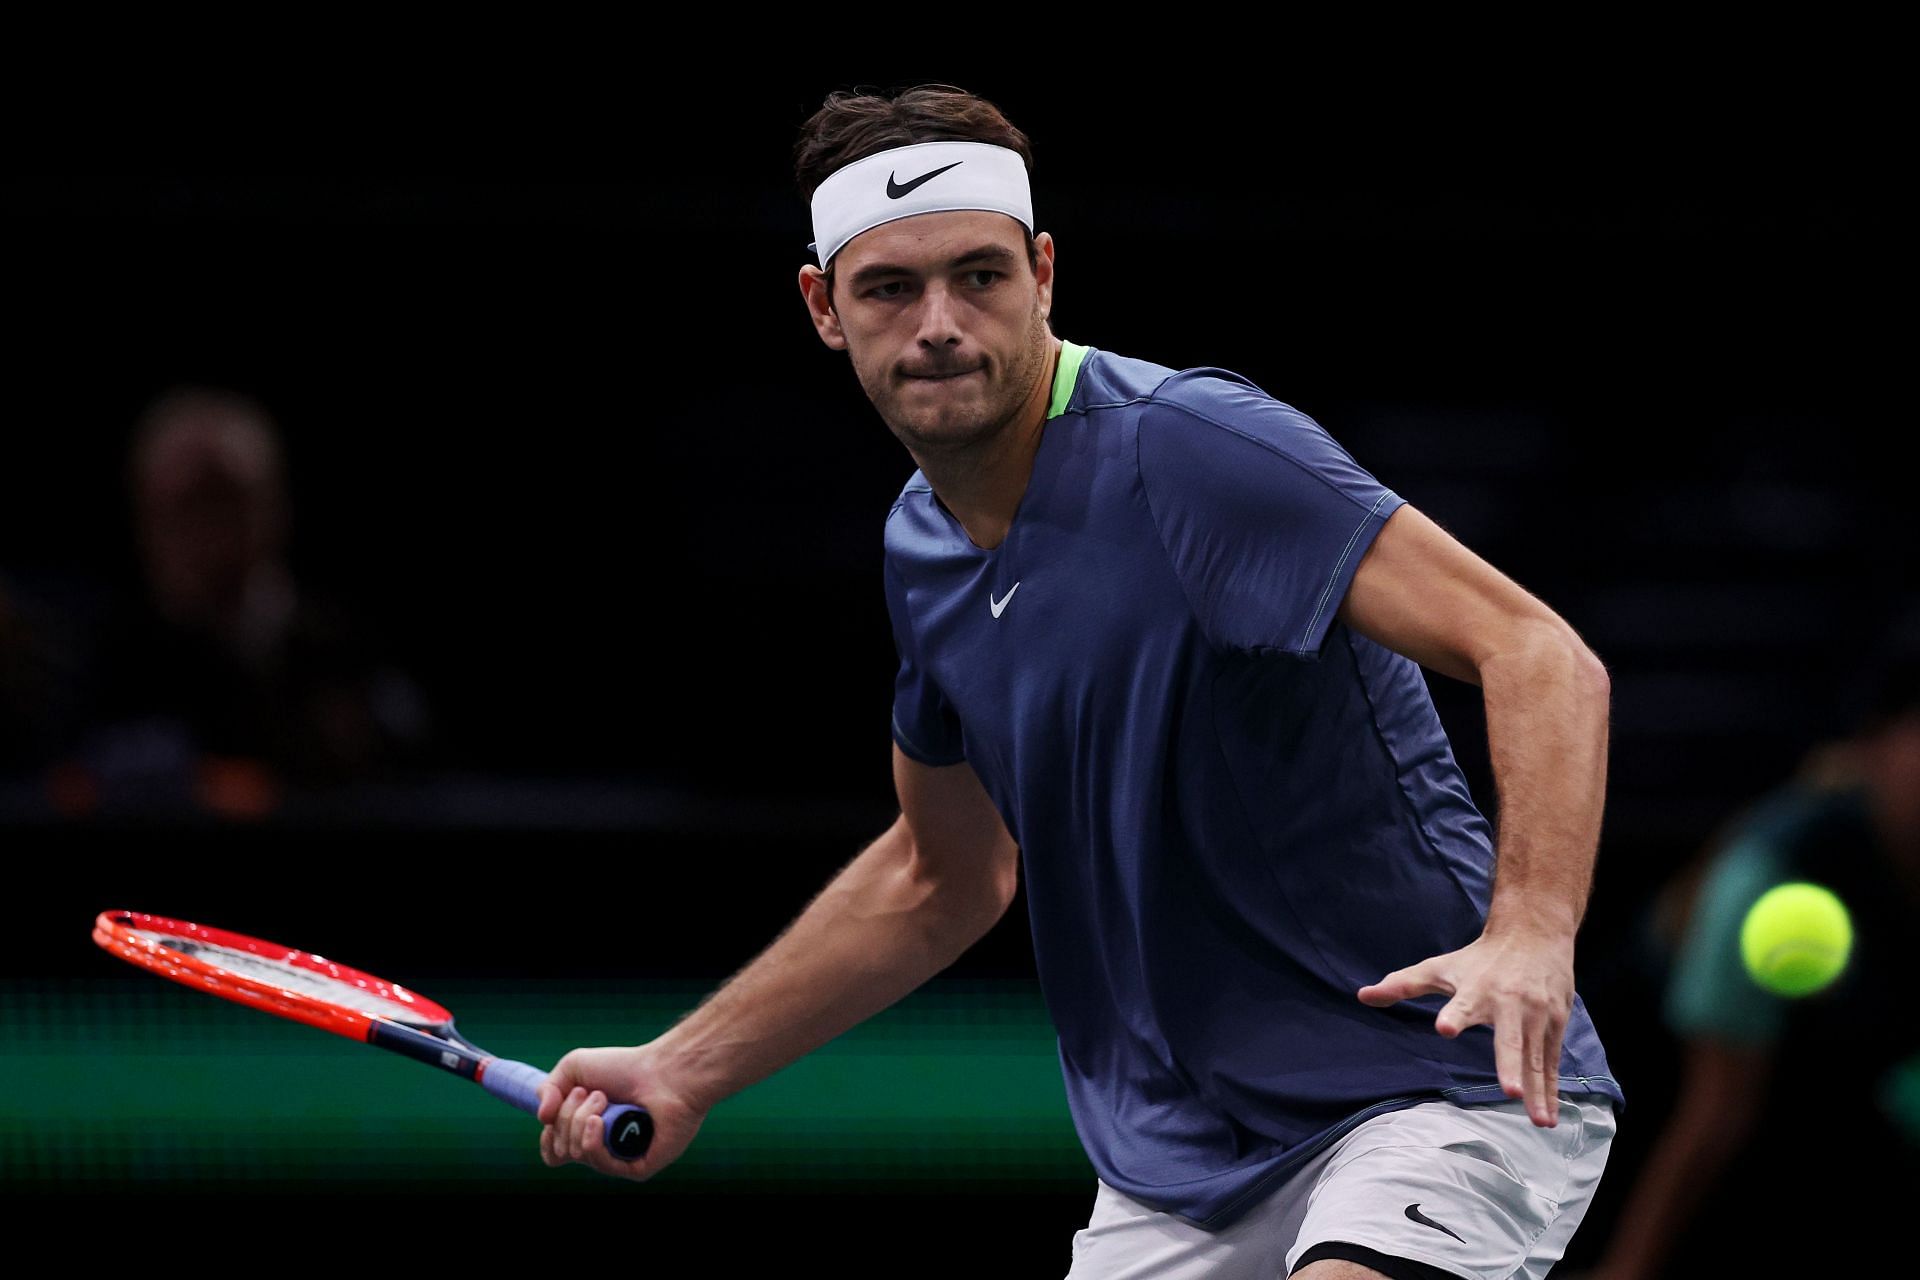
x,y
227,679
1794,1141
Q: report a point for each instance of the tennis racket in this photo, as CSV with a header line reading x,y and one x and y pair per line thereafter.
x,y
325,994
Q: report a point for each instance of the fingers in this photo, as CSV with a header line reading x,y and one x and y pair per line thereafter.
x,y
1523,990
563,1124
1456,1015
1543,1061
572,1110
1414,980
1526,1048
577,1135
559,1083
553,1140
590,1136
1527,1055
586,1126
588,1133
559,1139
1512,1059
1538,1085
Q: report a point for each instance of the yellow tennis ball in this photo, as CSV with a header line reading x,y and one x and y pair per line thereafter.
x,y
1796,938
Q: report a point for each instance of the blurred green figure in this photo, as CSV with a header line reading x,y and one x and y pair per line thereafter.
x,y
1794,1139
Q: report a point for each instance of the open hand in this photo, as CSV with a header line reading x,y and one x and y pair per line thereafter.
x,y
1519,983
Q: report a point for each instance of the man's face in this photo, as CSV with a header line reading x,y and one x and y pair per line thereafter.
x,y
944,320
209,510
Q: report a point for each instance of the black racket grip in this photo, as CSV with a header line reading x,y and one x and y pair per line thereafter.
x,y
628,1131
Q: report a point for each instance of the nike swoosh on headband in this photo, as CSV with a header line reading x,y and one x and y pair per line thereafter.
x,y
895,190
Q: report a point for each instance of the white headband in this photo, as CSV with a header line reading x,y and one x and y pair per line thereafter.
x,y
926,177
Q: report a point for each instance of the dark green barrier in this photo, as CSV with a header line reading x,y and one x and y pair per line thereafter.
x,y
137,1082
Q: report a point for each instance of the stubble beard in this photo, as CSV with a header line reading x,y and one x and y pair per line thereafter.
x,y
943,437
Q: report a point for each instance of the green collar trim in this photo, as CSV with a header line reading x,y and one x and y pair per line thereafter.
x,y
1065,374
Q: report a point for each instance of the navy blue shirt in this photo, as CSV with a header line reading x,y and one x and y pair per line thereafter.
x,y
1233,811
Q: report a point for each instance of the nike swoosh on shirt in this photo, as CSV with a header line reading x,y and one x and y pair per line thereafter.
x,y
1413,1212
896,189
1001,603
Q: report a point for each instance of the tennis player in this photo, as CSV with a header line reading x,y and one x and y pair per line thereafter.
x,y
1160,645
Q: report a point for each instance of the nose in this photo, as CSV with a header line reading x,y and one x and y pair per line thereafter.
x,y
939,317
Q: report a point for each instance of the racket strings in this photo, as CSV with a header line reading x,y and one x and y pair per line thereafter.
x,y
288,976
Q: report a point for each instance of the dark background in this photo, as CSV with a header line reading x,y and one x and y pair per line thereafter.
x,y
558,425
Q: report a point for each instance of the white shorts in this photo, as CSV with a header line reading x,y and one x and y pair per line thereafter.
x,y
1476,1191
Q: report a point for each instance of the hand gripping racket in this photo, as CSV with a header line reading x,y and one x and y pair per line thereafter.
x,y
321,993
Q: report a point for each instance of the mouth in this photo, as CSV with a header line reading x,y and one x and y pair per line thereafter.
x,y
941,377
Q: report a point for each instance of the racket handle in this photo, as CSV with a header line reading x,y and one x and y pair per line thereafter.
x,y
627,1130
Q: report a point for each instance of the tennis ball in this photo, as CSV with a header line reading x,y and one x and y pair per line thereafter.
x,y
1796,938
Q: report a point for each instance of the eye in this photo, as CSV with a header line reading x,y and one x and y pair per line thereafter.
x,y
879,291
991,277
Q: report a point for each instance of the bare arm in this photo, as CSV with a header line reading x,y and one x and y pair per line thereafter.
x,y
904,909
898,914
1422,594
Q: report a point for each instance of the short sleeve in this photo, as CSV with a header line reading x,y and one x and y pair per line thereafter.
x,y
1263,515
1710,992
924,722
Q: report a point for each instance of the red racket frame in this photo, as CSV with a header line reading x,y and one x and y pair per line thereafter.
x,y
418,1028
114,930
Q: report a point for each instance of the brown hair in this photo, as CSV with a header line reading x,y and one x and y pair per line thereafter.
x,y
854,124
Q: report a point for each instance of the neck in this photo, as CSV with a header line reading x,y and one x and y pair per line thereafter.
x,y
982,485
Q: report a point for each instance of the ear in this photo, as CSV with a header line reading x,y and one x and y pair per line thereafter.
x,y
1043,270
813,287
